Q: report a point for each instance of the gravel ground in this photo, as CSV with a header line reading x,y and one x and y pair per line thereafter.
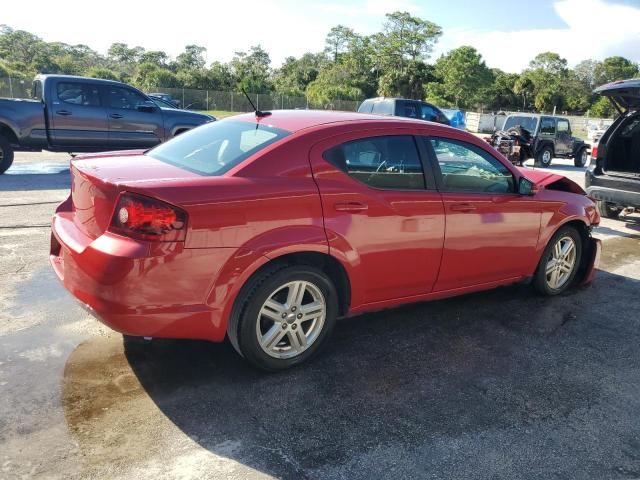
x,y
498,385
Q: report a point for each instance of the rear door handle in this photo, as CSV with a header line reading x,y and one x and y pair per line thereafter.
x,y
115,115
352,207
64,113
462,207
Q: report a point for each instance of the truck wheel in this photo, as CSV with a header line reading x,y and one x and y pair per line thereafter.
x,y
607,209
6,155
580,160
544,157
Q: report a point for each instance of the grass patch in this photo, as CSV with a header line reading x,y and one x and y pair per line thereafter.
x,y
220,113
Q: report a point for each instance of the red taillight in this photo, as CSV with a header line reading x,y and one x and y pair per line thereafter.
x,y
148,219
594,151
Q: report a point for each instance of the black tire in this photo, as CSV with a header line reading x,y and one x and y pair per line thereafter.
x,y
540,281
6,155
544,157
242,327
608,209
580,160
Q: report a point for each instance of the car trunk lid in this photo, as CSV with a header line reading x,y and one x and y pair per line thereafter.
x,y
625,94
96,183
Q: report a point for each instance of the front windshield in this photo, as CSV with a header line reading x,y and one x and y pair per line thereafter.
x,y
526,122
216,147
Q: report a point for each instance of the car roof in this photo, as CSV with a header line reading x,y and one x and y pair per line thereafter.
x,y
44,76
295,120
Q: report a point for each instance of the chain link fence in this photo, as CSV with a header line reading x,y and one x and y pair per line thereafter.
x,y
193,99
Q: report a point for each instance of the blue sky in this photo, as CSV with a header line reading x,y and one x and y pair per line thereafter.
x,y
508,33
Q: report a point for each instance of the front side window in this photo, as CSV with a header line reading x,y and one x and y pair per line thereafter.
x,y
390,162
125,98
467,168
548,125
429,113
216,147
409,110
78,94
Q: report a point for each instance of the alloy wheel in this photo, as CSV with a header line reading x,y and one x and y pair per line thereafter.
x,y
291,319
561,263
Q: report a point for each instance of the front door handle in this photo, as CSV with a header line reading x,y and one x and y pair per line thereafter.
x,y
115,115
352,207
64,113
462,207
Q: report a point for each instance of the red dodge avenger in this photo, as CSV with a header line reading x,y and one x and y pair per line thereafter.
x,y
265,228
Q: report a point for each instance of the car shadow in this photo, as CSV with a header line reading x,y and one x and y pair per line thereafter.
x,y
408,390
35,181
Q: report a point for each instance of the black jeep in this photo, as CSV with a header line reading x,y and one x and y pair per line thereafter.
x,y
541,137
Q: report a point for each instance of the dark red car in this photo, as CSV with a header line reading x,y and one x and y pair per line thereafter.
x,y
266,229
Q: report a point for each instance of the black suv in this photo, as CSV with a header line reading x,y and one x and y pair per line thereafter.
x,y
613,178
542,137
402,107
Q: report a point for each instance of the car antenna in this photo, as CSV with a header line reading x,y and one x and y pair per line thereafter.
x,y
258,112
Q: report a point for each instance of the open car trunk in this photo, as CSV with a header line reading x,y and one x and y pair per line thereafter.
x,y
623,149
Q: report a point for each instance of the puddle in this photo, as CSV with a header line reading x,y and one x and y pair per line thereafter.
x,y
38,168
618,252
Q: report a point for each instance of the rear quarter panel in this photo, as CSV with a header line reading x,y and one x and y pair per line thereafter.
x,y
26,120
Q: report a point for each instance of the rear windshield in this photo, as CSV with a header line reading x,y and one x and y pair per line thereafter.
x,y
528,123
216,147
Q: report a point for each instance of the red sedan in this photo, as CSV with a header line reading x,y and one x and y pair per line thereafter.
x,y
266,229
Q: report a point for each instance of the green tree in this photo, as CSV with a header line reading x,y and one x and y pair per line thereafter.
x,y
585,72
338,40
335,82
614,68
120,52
603,108
101,72
252,70
295,74
191,58
464,76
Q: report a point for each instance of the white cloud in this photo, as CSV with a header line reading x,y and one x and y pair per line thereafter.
x,y
594,29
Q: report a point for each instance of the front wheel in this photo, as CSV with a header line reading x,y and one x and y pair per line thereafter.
x,y
580,160
559,263
285,318
544,157
6,155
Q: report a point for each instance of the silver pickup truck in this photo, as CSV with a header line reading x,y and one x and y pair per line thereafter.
x,y
77,114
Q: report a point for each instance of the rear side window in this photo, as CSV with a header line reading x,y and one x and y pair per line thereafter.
x,y
548,125
383,107
390,162
365,107
563,126
216,147
409,110
78,94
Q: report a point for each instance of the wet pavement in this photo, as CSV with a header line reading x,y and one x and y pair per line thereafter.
x,y
501,384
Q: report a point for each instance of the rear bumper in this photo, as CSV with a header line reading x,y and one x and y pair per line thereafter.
x,y
621,190
623,198
140,288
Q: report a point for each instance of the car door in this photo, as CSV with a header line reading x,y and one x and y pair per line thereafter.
x,y
380,213
134,121
491,231
563,137
78,117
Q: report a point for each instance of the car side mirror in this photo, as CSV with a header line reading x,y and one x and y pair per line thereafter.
x,y
527,187
146,107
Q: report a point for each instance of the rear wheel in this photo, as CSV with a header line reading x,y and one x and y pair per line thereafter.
x,y
580,160
285,318
608,209
6,155
544,157
559,263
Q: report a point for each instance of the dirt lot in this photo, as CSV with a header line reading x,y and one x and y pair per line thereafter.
x,y
502,384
